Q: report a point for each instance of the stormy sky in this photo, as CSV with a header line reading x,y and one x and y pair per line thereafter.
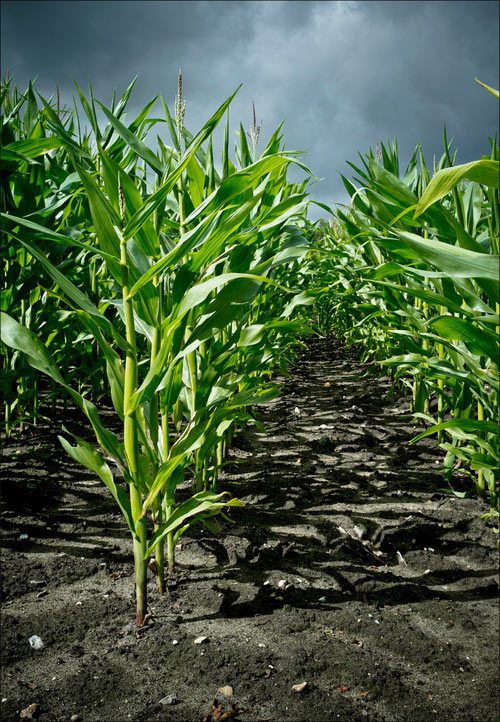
x,y
342,74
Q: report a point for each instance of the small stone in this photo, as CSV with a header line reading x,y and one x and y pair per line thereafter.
x,y
23,537
360,530
201,640
282,583
300,687
31,712
74,718
36,642
227,691
175,641
169,699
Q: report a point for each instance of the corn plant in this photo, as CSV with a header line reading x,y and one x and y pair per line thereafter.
x,y
194,309
414,269
39,184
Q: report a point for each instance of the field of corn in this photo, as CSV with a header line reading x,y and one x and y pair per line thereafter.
x,y
250,461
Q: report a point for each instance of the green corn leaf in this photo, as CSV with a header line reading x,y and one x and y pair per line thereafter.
x,y
16,336
430,297
43,232
156,373
158,198
480,341
197,294
254,396
251,335
106,438
146,237
196,178
482,171
453,260
89,111
193,436
179,251
171,127
33,148
196,505
87,456
162,477
390,186
19,337
133,141
484,461
114,368
73,294
225,150
104,218
491,90
31,114
467,425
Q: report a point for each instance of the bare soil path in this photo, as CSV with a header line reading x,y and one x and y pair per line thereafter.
x,y
346,569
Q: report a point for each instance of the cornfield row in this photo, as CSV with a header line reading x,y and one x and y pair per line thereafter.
x,y
410,273
180,290
157,277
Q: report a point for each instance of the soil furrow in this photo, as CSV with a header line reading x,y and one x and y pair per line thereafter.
x,y
347,568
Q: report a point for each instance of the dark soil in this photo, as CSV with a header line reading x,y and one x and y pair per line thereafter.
x,y
400,624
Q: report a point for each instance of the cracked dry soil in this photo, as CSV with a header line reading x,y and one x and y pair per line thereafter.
x,y
347,568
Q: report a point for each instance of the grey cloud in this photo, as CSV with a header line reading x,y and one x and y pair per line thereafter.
x,y
342,73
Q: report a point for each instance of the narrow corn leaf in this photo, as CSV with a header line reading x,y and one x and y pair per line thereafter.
x,y
89,111
16,336
469,425
480,341
19,337
482,171
104,219
87,456
114,368
164,473
31,114
430,297
72,294
491,90
44,232
197,294
457,262
157,371
197,504
155,200
106,438
33,148
146,237
171,127
133,141
179,251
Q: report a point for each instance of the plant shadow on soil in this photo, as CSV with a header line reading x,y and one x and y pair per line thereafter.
x,y
347,568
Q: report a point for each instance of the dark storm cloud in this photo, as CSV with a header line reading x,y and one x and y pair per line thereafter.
x,y
342,73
